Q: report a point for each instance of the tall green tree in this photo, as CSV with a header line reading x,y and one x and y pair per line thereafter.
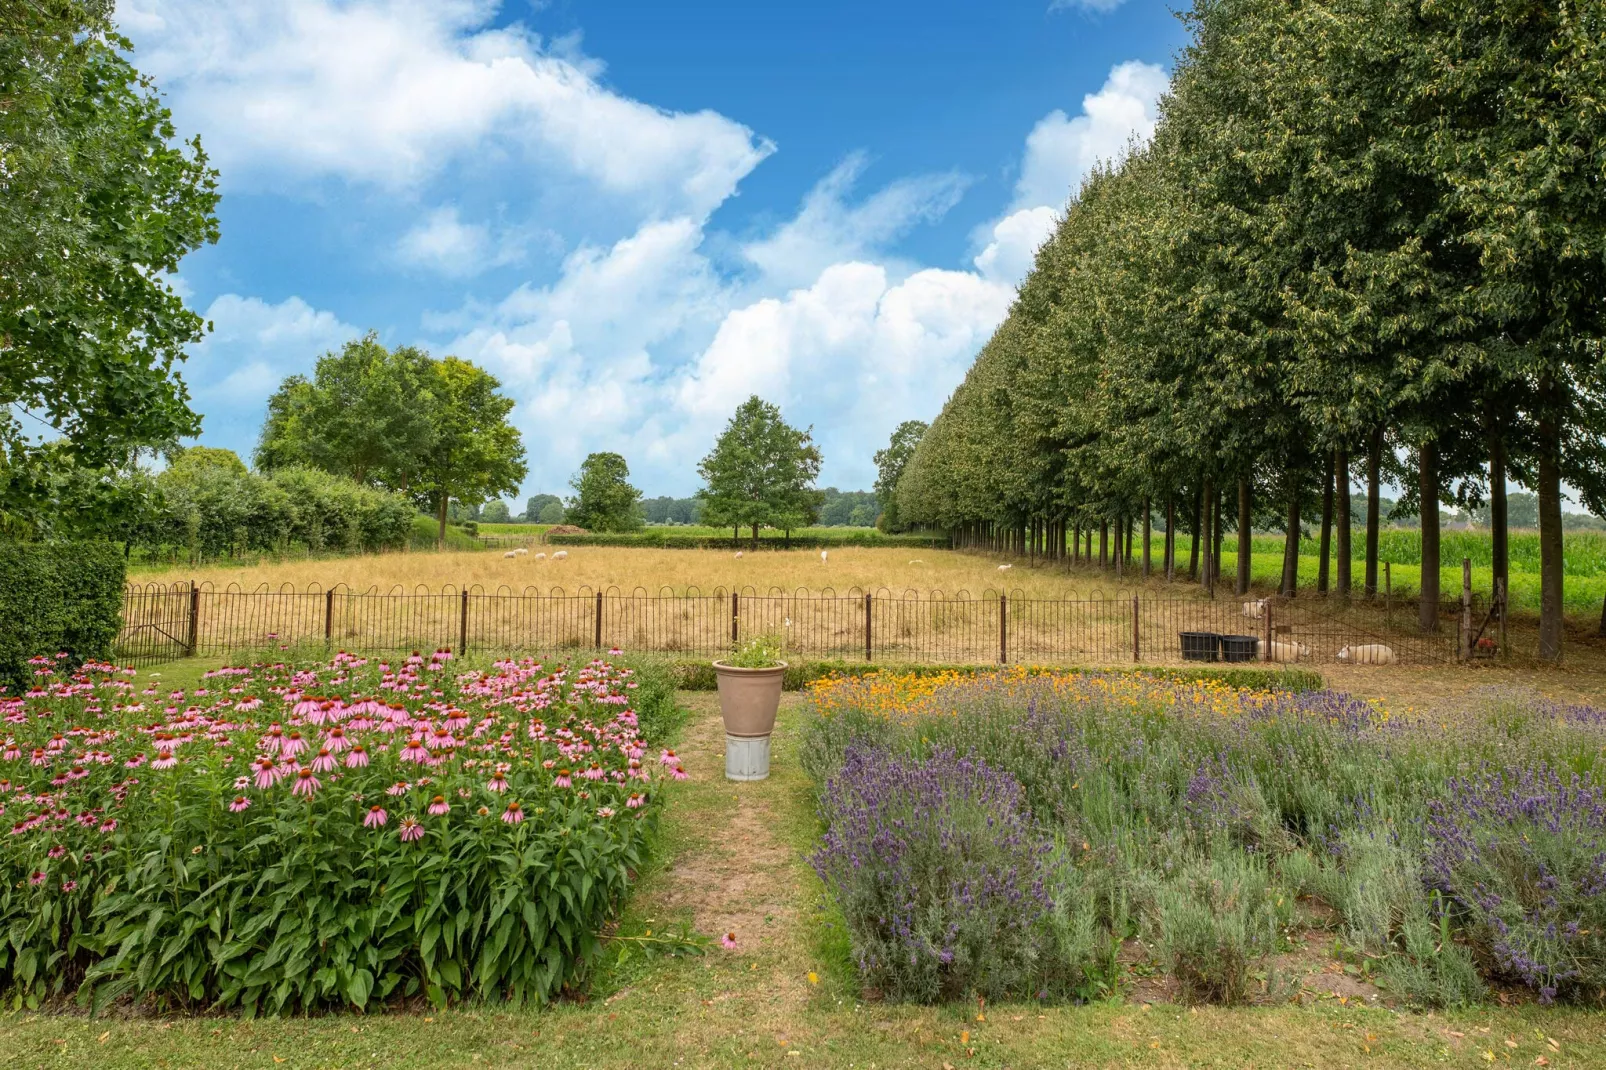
x,y
890,463
475,453
98,204
604,499
536,505
761,472
368,413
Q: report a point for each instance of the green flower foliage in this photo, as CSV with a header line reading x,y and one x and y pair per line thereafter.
x,y
65,598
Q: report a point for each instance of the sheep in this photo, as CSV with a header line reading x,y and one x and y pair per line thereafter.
x,y
1281,651
521,551
1005,568
917,561
1368,654
738,555
511,554
541,556
1256,610
822,556
560,555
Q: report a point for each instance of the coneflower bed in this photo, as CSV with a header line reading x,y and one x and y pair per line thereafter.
x,y
287,837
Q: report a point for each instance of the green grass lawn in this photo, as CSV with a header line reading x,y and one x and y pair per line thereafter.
x,y
733,857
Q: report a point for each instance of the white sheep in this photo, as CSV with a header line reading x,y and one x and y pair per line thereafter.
x,y
1005,568
1281,651
541,556
511,553
1368,654
822,557
560,555
1256,610
738,555
521,551
917,561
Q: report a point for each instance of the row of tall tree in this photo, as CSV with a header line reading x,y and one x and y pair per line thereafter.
x,y
1367,242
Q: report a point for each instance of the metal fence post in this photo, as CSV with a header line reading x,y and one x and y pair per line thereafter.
x,y
192,639
597,641
328,614
868,655
1003,629
462,624
1265,650
1465,627
735,617
1135,628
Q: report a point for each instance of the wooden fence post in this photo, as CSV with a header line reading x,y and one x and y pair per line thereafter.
x,y
328,614
734,617
192,639
1135,644
867,617
1003,629
1465,627
462,624
597,638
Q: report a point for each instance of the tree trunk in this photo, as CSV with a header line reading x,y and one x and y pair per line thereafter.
x,y
1129,558
1343,524
1550,545
1290,586
1322,566
1500,552
1170,537
1427,469
1246,545
1201,538
1104,544
440,518
1148,532
1076,544
1374,494
755,536
1120,558
1217,536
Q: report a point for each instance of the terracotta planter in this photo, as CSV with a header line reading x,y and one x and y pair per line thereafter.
x,y
748,699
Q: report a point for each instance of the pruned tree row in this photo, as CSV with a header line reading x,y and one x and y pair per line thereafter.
x,y
1366,243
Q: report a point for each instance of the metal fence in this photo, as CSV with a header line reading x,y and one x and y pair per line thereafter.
x,y
165,622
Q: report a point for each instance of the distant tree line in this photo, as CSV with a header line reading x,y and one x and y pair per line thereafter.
x,y
1366,243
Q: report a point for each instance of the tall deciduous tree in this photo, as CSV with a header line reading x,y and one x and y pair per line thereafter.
x,y
604,499
890,463
98,205
761,472
475,453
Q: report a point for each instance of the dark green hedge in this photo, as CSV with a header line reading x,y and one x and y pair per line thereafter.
x,y
699,675
57,598
664,540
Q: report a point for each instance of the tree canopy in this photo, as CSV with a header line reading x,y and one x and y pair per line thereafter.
x,y
760,473
890,463
604,499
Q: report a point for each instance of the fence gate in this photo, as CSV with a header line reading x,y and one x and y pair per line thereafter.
x,y
159,623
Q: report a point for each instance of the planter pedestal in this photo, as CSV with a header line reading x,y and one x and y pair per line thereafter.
x,y
747,758
748,699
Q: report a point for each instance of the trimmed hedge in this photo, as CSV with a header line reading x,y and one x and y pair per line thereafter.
x,y
699,675
56,598
664,540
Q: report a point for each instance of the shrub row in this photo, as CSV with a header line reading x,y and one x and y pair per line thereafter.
x,y
57,598
330,836
699,675
668,540
1022,827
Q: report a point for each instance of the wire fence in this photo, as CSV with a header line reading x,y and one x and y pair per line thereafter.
x,y
163,622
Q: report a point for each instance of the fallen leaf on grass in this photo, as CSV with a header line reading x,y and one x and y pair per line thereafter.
x,y
104,1035
1541,1061
964,1036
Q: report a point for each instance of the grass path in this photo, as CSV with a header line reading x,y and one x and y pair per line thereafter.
x,y
733,861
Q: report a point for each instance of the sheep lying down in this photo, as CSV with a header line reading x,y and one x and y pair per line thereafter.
x,y
1368,654
1282,651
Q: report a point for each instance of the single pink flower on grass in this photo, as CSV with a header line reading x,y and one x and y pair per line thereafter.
x,y
679,774
562,779
240,803
513,814
324,762
69,886
306,783
728,941
357,757
604,811
415,751
375,818
267,772
293,745
399,788
497,783
164,760
438,806
38,877
668,758
636,801
336,739
410,830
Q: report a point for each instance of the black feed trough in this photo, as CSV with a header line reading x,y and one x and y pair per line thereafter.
x,y
1200,646
1238,647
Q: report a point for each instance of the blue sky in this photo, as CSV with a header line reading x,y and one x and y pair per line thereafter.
x,y
635,214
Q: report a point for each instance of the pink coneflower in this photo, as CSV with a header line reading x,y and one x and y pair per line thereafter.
x,y
336,739
39,757
679,774
357,757
248,704
305,783
375,818
604,811
267,772
594,772
668,758
636,801
415,751
164,760
562,779
37,877
241,783
410,830
324,761
438,806
69,886
272,739
109,825
293,744
239,804
497,783
513,814
56,852
728,941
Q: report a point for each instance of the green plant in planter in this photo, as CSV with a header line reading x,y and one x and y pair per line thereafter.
x,y
759,652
